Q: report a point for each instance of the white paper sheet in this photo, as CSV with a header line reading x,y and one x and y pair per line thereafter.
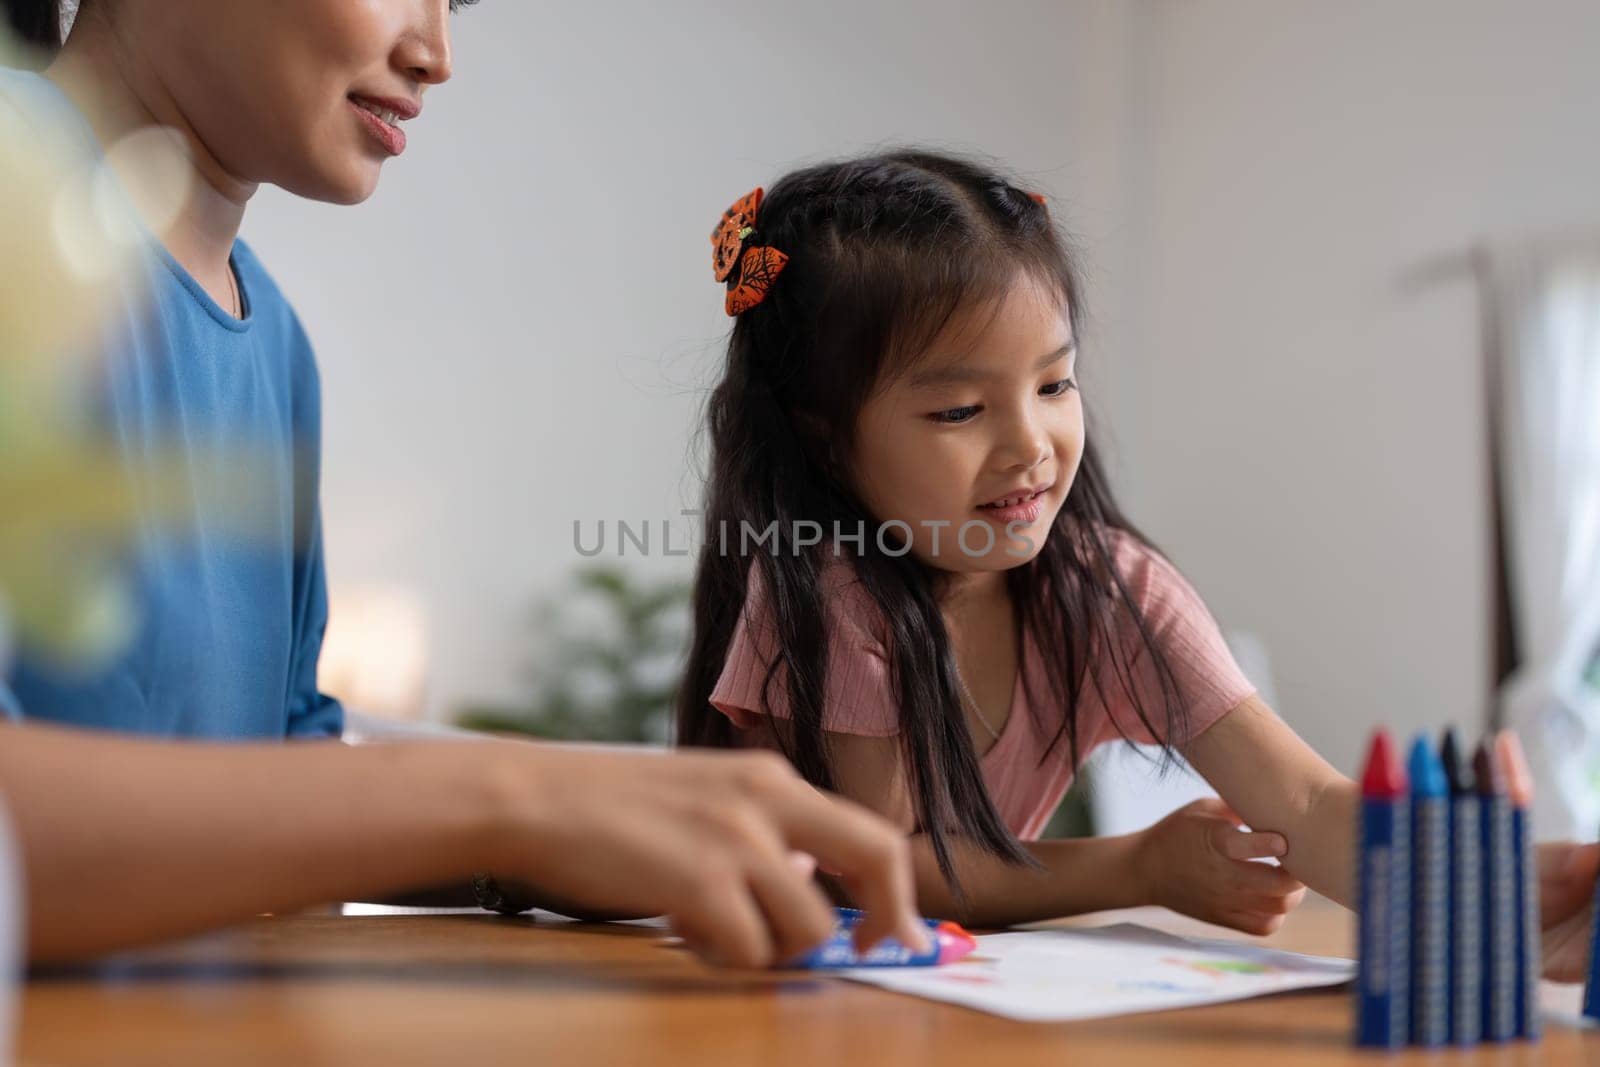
x,y
1066,974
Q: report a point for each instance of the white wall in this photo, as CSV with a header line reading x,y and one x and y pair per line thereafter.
x,y
515,331
1301,425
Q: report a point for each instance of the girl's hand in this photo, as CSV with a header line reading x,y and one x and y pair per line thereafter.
x,y
1197,862
1566,894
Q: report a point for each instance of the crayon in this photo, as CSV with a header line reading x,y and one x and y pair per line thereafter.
x,y
949,943
1466,896
1519,783
1591,990
1383,972
1430,894
1499,899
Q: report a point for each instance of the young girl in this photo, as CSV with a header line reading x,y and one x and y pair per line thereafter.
x,y
916,583
979,616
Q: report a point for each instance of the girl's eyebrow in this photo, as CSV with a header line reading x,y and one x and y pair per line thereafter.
x,y
952,371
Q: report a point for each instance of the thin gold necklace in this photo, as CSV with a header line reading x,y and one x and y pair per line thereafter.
x,y
233,294
967,698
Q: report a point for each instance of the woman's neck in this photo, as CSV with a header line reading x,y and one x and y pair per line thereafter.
x,y
100,70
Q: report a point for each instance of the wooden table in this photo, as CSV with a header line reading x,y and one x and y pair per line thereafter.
x,y
472,990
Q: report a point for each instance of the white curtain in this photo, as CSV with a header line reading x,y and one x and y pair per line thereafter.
x,y
1543,306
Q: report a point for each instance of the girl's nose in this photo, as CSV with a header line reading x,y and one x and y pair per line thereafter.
x,y
1025,447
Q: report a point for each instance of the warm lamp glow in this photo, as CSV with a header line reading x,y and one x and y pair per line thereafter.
x,y
375,653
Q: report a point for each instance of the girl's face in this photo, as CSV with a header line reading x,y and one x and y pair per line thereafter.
x,y
285,92
983,432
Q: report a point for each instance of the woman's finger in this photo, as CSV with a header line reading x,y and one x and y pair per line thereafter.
x,y
802,863
729,928
873,859
799,917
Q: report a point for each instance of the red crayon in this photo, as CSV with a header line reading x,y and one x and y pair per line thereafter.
x,y
1383,986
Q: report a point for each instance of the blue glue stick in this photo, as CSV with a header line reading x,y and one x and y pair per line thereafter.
x,y
949,942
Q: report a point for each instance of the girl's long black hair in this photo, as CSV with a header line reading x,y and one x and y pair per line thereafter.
x,y
884,250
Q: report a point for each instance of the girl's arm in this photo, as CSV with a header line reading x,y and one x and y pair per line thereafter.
x,y
1274,779
126,841
1277,782
1194,861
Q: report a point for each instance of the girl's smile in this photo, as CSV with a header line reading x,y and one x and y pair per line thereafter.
x,y
1024,506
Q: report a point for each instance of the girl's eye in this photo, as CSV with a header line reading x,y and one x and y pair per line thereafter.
x,y
1060,388
954,416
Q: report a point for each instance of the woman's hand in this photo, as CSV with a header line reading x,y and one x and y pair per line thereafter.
x,y
708,839
1198,862
1566,907
705,838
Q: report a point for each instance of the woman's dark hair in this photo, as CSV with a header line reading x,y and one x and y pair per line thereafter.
x,y
36,22
883,252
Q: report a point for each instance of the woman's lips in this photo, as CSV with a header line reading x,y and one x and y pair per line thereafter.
x,y
392,138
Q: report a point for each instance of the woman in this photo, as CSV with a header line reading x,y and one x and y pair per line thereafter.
x,y
125,840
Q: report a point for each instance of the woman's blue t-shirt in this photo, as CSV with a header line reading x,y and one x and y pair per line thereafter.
x,y
228,581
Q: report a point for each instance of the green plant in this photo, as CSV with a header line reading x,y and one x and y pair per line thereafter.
x,y
607,655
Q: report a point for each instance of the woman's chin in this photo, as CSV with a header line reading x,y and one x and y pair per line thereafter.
x,y
351,183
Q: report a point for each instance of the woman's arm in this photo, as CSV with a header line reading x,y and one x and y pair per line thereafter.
x,y
1277,782
125,841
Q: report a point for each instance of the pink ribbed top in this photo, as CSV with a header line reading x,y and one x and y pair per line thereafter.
x,y
1026,785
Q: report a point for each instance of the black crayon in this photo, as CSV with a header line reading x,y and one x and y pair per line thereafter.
x,y
1466,896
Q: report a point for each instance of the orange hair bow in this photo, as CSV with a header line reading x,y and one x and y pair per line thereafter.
x,y
751,271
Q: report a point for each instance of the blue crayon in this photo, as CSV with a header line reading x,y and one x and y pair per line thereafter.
x,y
1382,971
1466,897
1499,900
1591,989
1519,784
1430,889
